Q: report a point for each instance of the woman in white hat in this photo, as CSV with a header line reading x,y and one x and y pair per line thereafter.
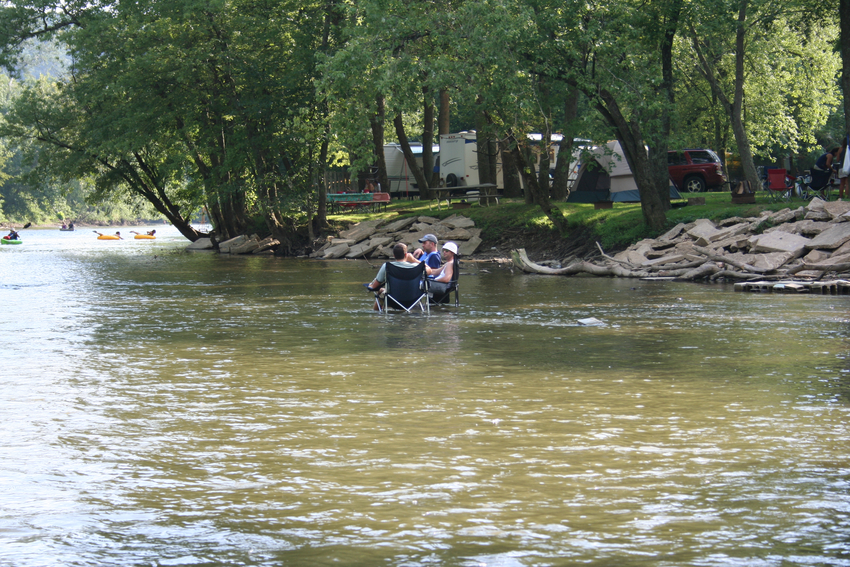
x,y
442,276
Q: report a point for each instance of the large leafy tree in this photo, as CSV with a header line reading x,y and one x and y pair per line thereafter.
x,y
771,69
181,102
618,55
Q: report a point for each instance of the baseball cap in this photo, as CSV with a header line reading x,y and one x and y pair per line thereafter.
x,y
451,247
429,237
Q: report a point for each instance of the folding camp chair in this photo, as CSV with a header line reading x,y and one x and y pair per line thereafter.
x,y
405,288
445,297
777,185
816,183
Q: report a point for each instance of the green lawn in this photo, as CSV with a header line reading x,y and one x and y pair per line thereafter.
x,y
614,228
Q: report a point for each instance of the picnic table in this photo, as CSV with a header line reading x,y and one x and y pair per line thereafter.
x,y
484,193
338,201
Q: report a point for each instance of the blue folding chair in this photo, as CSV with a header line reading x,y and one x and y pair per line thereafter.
x,y
405,288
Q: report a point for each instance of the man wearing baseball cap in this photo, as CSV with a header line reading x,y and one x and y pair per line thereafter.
x,y
428,253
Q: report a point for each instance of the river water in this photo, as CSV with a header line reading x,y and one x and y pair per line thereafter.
x,y
169,408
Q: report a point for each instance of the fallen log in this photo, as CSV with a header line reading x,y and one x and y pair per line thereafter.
x,y
521,261
683,266
731,261
732,274
702,271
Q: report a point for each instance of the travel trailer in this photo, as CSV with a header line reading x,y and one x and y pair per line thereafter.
x,y
402,182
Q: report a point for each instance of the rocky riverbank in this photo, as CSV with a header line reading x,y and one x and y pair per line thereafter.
x,y
376,238
800,244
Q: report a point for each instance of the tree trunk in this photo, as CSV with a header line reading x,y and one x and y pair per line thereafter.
x,y
376,121
443,117
750,172
418,174
539,195
628,133
428,136
560,183
510,172
734,108
543,169
844,15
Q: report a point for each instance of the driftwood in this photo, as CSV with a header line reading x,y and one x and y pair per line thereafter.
x,y
717,262
675,267
612,259
703,271
842,267
740,276
711,255
521,261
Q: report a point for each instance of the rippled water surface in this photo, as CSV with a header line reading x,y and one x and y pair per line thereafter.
x,y
167,408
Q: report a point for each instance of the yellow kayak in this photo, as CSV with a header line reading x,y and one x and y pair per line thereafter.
x,y
144,237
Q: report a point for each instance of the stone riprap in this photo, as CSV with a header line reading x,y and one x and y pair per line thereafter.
x,y
376,238
803,243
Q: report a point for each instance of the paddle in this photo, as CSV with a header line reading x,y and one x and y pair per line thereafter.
x,y
29,224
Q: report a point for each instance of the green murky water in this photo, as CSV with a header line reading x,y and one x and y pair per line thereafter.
x,y
165,408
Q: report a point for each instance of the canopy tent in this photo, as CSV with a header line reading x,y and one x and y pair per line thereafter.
x,y
606,176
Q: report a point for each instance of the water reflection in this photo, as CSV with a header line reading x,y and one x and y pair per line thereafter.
x,y
189,409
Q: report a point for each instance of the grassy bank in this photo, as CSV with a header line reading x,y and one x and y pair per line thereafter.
x,y
614,228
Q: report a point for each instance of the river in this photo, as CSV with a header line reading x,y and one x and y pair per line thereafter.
x,y
169,408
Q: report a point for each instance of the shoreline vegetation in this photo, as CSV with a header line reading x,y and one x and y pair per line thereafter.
x,y
706,239
513,224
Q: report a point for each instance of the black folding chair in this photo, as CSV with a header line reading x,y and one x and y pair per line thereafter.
x,y
405,288
440,297
816,184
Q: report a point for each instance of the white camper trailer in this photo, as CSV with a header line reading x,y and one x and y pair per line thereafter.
x,y
459,160
402,182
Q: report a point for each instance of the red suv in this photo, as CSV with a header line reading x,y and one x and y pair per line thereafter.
x,y
695,170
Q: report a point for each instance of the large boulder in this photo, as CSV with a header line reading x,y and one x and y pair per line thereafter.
x,y
361,230
780,242
246,247
337,251
224,247
201,244
831,238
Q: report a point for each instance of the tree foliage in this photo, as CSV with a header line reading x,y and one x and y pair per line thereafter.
x,y
241,105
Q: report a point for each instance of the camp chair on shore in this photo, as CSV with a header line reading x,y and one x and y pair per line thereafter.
x,y
405,288
778,185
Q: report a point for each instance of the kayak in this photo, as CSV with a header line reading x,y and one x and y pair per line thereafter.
x,y
107,237
145,237
8,241
65,229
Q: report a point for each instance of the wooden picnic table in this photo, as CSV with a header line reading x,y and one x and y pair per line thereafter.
x,y
484,193
339,200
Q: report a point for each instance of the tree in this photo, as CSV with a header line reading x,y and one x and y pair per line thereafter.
x,y
770,68
618,55
220,96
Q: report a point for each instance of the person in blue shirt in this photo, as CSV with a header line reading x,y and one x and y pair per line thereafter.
x,y
428,253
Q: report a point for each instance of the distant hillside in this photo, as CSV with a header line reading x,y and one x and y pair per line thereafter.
x,y
43,59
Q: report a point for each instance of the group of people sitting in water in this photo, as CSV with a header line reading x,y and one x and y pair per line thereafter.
x,y
438,269
69,226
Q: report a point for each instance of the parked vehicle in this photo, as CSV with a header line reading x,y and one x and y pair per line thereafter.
x,y
695,171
